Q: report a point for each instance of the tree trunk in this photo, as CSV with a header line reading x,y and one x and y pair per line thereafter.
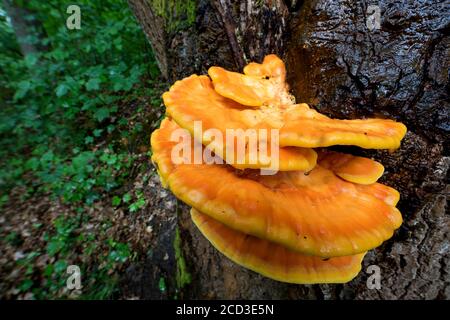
x,y
28,30
343,66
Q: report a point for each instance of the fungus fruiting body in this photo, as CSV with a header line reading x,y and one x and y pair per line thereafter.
x,y
275,261
351,168
195,98
314,212
309,222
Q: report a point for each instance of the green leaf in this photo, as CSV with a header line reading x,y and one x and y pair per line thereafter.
x,y
48,271
32,164
31,60
112,159
137,205
22,90
93,84
101,114
61,90
54,246
97,132
162,284
116,201
121,252
26,285
48,156
59,54
88,140
126,197
60,266
118,43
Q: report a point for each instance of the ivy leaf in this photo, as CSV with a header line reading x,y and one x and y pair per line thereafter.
x,y
31,60
118,43
112,160
119,83
137,205
59,54
60,266
32,164
26,285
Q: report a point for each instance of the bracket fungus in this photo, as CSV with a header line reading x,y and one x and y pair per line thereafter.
x,y
261,84
195,98
351,168
316,213
313,219
275,261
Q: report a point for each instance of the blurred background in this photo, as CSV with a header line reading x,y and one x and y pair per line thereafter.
x,y
76,110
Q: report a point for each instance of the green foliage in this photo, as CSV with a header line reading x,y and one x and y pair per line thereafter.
x,y
61,247
71,126
182,277
162,284
177,14
62,241
61,102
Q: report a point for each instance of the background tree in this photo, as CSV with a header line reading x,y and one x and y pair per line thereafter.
x,y
27,28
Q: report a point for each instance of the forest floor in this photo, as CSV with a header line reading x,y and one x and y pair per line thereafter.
x,y
41,235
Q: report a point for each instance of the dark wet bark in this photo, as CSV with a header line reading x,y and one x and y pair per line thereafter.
x,y
339,66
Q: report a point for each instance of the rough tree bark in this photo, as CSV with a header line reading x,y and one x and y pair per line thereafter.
x,y
339,66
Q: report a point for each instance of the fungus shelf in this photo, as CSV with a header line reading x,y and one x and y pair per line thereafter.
x,y
310,222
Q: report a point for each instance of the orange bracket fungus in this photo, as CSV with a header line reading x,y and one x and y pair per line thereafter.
x,y
354,169
195,98
275,261
314,212
311,220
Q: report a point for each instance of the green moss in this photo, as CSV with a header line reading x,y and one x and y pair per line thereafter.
x,y
162,284
183,277
177,14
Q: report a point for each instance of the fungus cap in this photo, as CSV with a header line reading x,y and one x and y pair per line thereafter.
x,y
275,261
314,212
287,159
195,99
260,84
352,168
